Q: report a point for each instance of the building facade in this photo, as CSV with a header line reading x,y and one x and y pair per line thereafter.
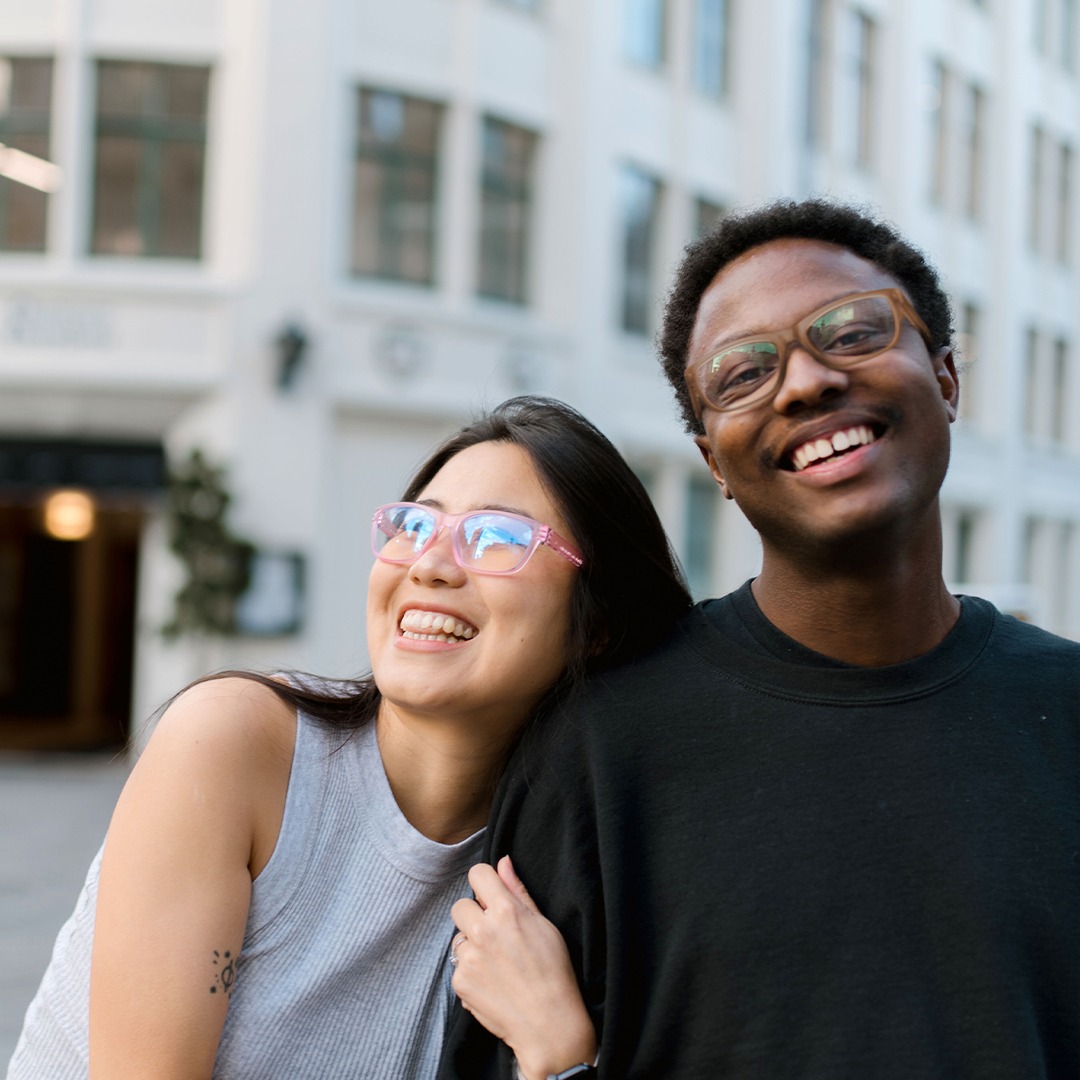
x,y
309,239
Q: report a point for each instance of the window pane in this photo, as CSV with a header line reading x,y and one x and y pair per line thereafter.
x,y
639,200
707,215
181,200
116,189
185,91
865,91
123,89
975,122
1035,211
710,47
817,97
1031,382
1060,394
1065,182
395,187
25,103
505,210
149,168
644,31
937,109
701,503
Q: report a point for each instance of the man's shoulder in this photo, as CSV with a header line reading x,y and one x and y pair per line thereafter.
x,y
1015,635
689,640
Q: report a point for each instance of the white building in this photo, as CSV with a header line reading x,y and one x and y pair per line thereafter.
x,y
310,237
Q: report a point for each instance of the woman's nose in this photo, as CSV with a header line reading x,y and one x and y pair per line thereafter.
x,y
437,564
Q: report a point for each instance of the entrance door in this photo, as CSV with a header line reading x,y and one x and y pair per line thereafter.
x,y
67,617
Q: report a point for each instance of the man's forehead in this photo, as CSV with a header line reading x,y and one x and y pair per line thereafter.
x,y
773,285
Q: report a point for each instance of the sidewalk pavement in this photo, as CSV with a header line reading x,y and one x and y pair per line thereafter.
x,y
54,810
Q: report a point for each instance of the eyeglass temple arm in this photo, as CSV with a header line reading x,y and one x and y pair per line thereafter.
x,y
554,541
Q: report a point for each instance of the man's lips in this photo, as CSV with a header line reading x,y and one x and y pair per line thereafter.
x,y
830,444
832,434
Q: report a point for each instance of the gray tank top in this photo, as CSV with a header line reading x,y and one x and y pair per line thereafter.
x,y
344,971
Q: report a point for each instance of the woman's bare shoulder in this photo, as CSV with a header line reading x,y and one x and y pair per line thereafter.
x,y
230,715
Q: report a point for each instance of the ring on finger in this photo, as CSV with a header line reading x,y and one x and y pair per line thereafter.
x,y
458,939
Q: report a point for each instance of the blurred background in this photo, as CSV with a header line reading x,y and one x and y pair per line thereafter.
x,y
275,249
258,256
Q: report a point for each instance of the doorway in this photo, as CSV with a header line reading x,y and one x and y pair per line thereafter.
x,y
67,628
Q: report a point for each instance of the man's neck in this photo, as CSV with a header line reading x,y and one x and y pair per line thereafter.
x,y
868,617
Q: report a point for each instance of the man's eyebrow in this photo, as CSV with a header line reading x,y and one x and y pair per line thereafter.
x,y
723,338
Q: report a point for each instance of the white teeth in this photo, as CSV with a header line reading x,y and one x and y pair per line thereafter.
x,y
819,449
434,626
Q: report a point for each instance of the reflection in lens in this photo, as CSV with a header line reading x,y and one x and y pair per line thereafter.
x,y
499,542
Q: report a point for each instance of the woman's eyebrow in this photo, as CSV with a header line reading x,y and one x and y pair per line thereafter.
x,y
436,504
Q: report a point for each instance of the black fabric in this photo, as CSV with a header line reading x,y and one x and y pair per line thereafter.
x,y
770,868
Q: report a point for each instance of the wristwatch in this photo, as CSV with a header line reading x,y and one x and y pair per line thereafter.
x,y
582,1070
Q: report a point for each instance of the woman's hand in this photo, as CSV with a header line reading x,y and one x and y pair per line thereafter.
x,y
513,973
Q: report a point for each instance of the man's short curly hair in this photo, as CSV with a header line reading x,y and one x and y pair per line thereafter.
x,y
809,219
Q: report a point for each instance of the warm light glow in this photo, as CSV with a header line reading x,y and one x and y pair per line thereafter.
x,y
29,169
69,515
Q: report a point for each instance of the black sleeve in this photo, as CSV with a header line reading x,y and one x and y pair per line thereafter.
x,y
544,818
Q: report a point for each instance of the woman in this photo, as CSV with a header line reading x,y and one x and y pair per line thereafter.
x,y
273,895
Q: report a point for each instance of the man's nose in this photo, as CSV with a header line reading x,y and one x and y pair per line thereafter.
x,y
806,380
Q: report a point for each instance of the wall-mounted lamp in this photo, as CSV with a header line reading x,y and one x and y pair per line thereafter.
x,y
69,515
290,347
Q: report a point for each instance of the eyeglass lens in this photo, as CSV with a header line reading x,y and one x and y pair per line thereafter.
x,y
486,540
851,331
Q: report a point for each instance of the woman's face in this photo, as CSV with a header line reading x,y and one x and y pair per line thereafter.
x,y
509,643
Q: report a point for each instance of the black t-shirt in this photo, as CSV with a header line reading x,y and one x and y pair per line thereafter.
x,y
767,864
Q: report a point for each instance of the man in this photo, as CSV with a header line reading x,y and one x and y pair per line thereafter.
x,y
831,829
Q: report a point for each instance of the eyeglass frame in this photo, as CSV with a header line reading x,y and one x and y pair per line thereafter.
x,y
542,536
902,309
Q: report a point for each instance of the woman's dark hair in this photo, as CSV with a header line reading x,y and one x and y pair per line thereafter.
x,y
629,590
811,219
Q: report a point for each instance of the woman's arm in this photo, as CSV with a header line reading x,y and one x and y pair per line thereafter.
x,y
195,823
513,973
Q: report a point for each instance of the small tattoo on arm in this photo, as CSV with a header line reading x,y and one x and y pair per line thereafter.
x,y
224,973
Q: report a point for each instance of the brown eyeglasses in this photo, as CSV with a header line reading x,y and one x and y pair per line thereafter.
x,y
842,334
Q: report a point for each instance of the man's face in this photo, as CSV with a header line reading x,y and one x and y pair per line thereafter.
x,y
836,454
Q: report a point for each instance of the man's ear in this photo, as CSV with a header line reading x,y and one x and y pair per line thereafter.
x,y
949,382
702,443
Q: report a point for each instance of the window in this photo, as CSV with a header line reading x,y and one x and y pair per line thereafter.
x,y
25,103
1035,201
963,554
865,91
1040,25
505,210
707,215
816,72
711,47
1067,35
645,31
1060,391
702,500
937,106
1031,381
975,122
968,360
639,203
1064,201
150,149
394,188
